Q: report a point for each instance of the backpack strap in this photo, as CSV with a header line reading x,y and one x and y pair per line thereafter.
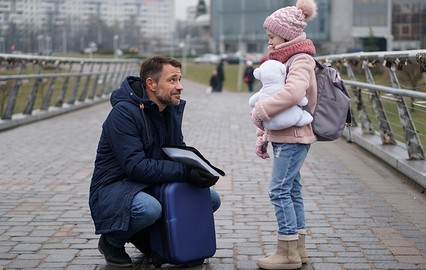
x,y
290,60
294,56
288,64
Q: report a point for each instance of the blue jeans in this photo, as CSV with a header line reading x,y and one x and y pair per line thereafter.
x,y
144,212
285,186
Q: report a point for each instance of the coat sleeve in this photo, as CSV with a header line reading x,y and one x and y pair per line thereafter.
x,y
297,82
122,129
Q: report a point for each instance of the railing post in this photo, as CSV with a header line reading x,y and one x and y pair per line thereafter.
x,y
48,97
111,78
8,112
412,141
384,127
118,77
86,85
366,126
73,94
95,84
29,107
104,81
61,97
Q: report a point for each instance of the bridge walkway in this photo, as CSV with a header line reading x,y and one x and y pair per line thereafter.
x,y
361,213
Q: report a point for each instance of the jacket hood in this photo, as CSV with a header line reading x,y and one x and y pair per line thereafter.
x,y
125,92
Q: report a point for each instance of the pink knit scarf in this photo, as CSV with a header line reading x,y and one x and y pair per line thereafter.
x,y
285,52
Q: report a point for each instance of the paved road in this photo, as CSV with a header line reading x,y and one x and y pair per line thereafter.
x,y
361,214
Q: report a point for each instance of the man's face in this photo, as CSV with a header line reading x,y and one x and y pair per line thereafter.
x,y
168,89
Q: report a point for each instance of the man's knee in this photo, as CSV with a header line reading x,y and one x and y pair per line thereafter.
x,y
153,210
146,206
216,202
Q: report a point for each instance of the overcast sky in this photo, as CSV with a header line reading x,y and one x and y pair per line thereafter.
x,y
181,5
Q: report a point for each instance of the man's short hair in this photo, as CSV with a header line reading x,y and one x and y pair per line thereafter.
x,y
153,67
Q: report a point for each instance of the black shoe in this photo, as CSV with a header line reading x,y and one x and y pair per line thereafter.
x,y
114,256
141,241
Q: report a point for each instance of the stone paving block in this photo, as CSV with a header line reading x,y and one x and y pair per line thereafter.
x,y
4,248
26,248
378,251
60,255
403,250
416,259
357,266
76,241
327,266
244,263
8,256
331,247
321,254
381,258
224,253
22,264
373,245
345,259
391,265
82,267
53,266
397,243
248,251
29,239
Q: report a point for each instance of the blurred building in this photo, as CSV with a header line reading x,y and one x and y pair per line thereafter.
x,y
409,24
377,25
200,35
340,26
198,29
36,24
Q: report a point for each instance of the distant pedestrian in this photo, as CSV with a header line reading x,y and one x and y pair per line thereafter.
x,y
248,76
286,37
220,75
213,82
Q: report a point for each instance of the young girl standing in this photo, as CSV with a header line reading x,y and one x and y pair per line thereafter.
x,y
286,37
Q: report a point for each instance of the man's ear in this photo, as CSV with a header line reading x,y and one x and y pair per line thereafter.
x,y
150,84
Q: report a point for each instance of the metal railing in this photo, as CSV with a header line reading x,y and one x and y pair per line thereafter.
x,y
32,86
394,84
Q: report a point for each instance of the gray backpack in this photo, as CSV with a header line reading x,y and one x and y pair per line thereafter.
x,y
332,112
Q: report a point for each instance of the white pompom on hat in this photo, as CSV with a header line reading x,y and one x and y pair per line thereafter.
x,y
290,22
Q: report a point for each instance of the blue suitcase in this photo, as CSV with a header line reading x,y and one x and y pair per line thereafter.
x,y
185,234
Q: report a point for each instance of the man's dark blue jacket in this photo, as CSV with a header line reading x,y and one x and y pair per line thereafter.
x,y
129,156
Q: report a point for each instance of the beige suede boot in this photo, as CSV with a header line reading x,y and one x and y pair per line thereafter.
x,y
286,257
301,246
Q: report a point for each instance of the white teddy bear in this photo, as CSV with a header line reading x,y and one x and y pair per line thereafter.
x,y
272,74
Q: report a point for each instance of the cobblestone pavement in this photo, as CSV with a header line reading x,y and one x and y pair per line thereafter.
x,y
360,213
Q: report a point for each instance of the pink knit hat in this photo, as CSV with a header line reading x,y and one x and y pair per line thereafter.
x,y
289,22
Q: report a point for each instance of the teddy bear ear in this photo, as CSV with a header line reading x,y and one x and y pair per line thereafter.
x,y
256,73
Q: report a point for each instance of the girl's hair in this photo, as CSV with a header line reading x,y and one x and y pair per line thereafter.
x,y
153,67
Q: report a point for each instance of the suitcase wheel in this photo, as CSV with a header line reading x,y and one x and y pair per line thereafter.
x,y
195,263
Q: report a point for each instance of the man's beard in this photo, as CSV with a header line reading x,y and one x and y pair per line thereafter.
x,y
167,99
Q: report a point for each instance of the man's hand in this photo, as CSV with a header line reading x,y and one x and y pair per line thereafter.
x,y
201,178
261,147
